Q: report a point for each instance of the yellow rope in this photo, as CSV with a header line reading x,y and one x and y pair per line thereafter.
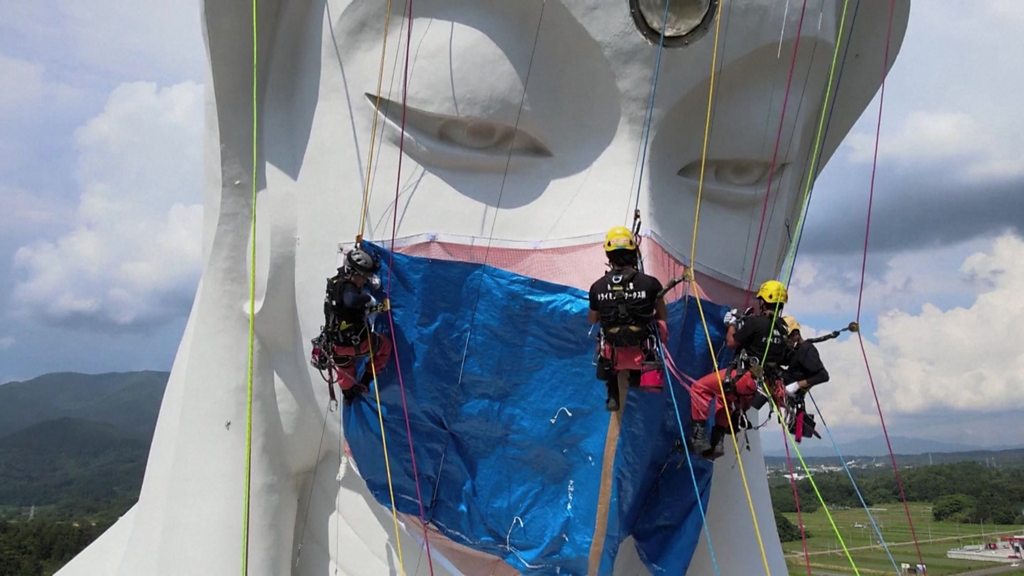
x,y
700,307
373,129
384,443
252,305
736,448
362,228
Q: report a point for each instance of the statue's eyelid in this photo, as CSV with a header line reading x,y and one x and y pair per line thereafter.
x,y
734,180
467,136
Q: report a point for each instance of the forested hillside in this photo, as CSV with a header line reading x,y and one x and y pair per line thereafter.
x,y
962,491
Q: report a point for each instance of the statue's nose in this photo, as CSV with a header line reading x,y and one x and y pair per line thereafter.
x,y
681,21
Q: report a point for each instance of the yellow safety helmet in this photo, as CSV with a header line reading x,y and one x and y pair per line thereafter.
x,y
791,324
773,292
619,238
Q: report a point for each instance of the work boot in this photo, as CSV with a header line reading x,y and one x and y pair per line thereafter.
x,y
715,453
717,445
699,439
612,385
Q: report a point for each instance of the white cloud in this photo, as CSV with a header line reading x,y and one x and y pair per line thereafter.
x,y
23,81
956,141
133,255
1008,9
827,284
135,38
6,342
150,39
26,213
951,107
31,101
935,136
939,360
26,85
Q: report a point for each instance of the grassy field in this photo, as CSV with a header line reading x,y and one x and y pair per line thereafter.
x,y
935,538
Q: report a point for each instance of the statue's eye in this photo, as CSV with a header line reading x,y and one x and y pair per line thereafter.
x,y
733,181
459,142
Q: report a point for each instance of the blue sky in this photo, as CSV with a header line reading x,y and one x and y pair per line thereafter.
x,y
101,180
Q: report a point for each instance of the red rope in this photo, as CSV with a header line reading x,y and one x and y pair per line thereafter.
x,y
796,500
860,294
391,262
775,154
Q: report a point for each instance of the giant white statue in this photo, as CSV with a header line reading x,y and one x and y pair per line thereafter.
x,y
511,135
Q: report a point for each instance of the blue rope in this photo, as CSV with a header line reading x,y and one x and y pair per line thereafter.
x,y
689,462
649,114
856,489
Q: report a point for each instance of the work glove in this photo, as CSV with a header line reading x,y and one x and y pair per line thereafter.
x,y
731,317
793,389
371,312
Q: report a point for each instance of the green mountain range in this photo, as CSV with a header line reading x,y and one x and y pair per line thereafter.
x,y
78,441
129,401
75,441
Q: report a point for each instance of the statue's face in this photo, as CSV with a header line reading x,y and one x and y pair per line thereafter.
x,y
561,162
524,125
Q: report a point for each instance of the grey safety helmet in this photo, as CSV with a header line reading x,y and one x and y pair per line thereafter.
x,y
359,261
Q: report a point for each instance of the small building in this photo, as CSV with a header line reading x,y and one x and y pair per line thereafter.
x,y
1016,543
1006,550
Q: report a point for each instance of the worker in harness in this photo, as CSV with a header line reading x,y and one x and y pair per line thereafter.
x,y
347,334
759,340
802,371
630,309
804,368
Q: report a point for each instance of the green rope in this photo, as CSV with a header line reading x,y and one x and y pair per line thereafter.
x,y
789,261
791,257
252,304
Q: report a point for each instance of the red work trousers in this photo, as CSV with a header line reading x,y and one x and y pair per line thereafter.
x,y
345,359
706,388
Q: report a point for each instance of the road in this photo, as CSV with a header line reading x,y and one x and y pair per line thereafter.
x,y
908,543
1004,569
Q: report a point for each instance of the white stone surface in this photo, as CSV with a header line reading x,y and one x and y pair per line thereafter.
x,y
571,177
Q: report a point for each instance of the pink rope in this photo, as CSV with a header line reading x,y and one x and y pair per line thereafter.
x,y
682,378
775,154
860,294
391,262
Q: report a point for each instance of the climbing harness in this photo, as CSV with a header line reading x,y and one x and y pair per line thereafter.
x,y
797,420
628,338
344,341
